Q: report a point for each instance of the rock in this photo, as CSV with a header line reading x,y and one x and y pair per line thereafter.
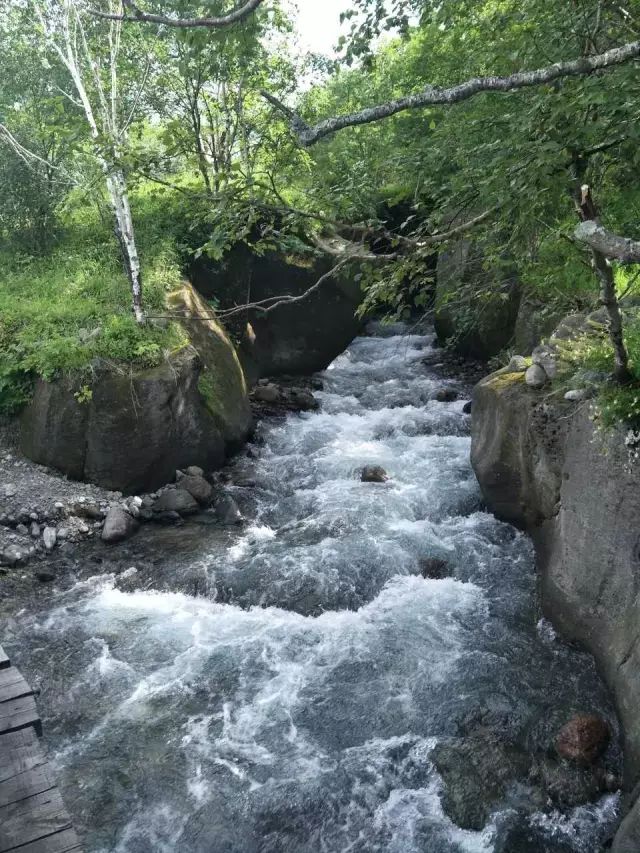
x,y
266,394
10,491
446,395
49,537
584,739
434,568
118,526
194,471
576,395
197,487
466,409
45,575
34,530
373,474
22,529
627,839
139,427
300,338
566,785
459,269
477,771
11,556
227,510
168,519
535,377
176,500
303,400
517,364
546,358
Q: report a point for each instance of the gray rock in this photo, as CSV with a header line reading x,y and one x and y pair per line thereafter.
x,y
176,500
194,471
576,395
517,364
535,377
227,510
10,491
138,428
434,568
11,556
267,393
118,526
546,358
45,575
303,400
197,487
22,529
373,474
468,406
34,530
627,839
49,537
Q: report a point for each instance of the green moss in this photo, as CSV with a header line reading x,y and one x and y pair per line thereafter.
x,y
500,381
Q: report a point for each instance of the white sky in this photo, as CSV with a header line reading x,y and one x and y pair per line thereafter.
x,y
318,23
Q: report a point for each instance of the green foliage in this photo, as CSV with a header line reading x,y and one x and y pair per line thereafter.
x,y
71,311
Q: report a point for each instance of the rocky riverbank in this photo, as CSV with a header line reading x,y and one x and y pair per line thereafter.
x,y
543,464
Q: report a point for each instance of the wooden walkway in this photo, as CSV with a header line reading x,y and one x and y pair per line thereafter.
x,y
32,815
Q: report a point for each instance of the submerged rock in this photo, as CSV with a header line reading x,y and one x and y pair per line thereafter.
x,y
446,395
434,568
227,510
374,474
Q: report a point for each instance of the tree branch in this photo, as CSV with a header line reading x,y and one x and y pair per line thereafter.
x,y
135,14
623,249
434,95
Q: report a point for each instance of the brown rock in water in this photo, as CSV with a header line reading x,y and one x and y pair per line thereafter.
x,y
583,739
374,474
446,395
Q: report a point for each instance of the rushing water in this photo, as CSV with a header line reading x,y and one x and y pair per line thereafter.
x,y
291,706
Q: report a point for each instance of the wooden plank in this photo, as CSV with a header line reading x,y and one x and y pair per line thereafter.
x,y
19,751
26,784
32,819
13,684
18,714
60,842
4,659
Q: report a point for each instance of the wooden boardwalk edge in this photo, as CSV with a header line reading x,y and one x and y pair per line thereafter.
x,y
33,818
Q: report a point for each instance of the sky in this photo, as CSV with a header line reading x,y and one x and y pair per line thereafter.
x,y
318,22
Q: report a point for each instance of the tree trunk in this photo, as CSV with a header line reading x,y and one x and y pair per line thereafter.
x,y
117,188
608,296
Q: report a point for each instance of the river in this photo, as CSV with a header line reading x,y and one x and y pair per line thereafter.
x,y
289,699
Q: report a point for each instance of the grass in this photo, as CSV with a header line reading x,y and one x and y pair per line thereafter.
x,y
61,313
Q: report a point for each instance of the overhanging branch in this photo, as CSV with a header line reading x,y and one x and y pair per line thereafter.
x,y
435,95
133,13
622,249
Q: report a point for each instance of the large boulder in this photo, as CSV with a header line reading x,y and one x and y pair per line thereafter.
x,y
118,525
543,464
476,326
140,426
299,338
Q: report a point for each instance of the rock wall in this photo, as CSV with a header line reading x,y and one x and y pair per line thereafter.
x,y
476,326
299,338
542,465
140,426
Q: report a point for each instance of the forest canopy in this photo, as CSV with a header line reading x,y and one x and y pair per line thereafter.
x,y
180,127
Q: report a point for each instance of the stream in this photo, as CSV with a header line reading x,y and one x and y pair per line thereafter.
x,y
280,687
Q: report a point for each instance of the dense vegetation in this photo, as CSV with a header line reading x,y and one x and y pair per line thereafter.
x,y
208,161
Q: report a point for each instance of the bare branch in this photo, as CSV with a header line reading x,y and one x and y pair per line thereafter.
x,y
134,14
434,95
623,249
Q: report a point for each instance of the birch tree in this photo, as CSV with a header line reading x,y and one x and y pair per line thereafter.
x,y
96,92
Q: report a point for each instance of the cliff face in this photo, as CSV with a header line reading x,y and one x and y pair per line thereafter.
x,y
138,427
542,465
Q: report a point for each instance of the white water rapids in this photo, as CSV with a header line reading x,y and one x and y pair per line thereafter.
x,y
292,708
